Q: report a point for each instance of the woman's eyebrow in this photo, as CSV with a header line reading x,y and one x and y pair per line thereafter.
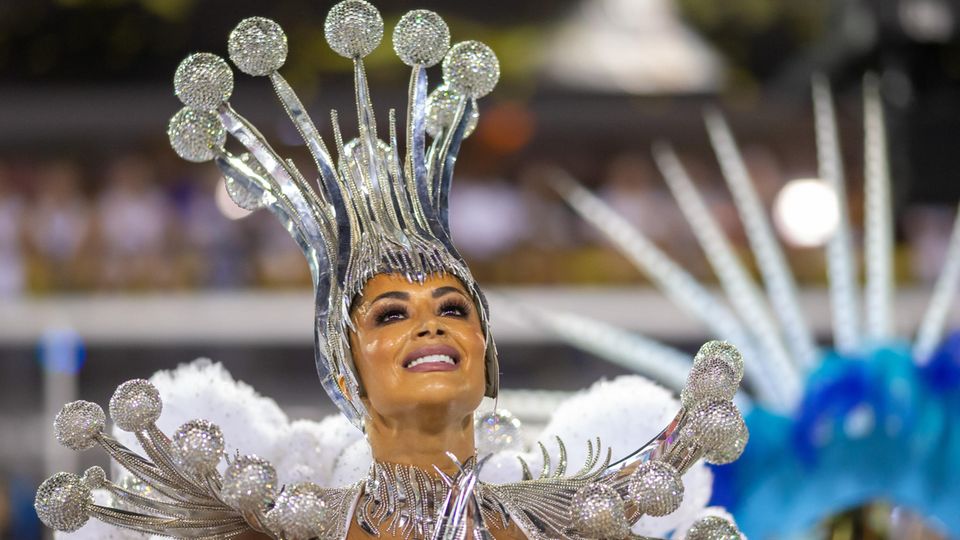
x,y
399,295
441,291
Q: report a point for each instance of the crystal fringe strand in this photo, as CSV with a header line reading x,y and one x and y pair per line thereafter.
x,y
931,327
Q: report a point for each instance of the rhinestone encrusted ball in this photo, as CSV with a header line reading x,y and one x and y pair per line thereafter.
x,y
135,405
471,69
732,450
257,46
598,512
94,477
713,528
497,430
656,488
299,512
203,81
421,37
353,28
249,483
716,424
441,110
711,378
62,501
78,424
197,446
194,134
724,351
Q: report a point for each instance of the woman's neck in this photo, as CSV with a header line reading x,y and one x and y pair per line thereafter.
x,y
421,441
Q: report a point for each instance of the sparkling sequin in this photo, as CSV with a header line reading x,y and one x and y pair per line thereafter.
x,y
78,423
203,81
441,108
197,446
61,502
135,405
299,512
713,528
656,488
711,378
249,483
471,68
353,28
598,512
257,46
496,431
421,37
194,134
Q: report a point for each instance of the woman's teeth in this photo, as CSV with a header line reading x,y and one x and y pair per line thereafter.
x,y
432,358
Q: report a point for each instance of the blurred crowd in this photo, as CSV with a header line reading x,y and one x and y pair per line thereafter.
x,y
131,224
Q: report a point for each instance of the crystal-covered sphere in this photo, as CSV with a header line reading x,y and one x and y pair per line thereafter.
x,y
710,378
94,478
724,351
203,81
257,46
78,424
598,512
194,134
497,430
135,405
421,37
441,109
249,484
62,502
730,452
656,488
471,69
299,512
716,424
713,528
353,28
197,446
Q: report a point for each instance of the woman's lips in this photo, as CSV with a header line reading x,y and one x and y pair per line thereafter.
x,y
432,358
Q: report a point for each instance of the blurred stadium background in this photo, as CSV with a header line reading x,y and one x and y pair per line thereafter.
x,y
118,259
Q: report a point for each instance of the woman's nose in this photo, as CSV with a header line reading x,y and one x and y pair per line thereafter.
x,y
430,326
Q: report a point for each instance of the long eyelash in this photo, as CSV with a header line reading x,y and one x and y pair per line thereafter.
x,y
383,312
456,303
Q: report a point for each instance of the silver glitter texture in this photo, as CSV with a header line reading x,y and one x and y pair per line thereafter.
x,y
197,446
249,484
713,528
471,69
240,195
421,37
194,134
257,46
598,512
724,351
78,424
716,424
441,109
203,81
353,28
135,405
299,512
711,378
656,488
497,430
62,501
94,478
730,452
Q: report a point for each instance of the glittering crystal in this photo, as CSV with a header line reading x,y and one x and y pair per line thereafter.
x,y
203,81
421,37
249,483
730,452
194,134
135,405
62,501
78,424
716,424
197,446
598,512
713,528
299,512
94,478
353,28
656,488
497,430
471,68
711,378
724,351
257,46
441,109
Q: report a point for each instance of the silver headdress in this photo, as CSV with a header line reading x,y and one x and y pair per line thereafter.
x,y
370,212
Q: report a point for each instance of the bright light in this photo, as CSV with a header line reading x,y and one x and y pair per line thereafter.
x,y
226,205
806,212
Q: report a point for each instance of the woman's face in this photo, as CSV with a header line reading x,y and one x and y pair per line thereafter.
x,y
418,345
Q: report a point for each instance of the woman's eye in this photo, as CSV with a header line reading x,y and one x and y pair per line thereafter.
x,y
454,310
390,315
